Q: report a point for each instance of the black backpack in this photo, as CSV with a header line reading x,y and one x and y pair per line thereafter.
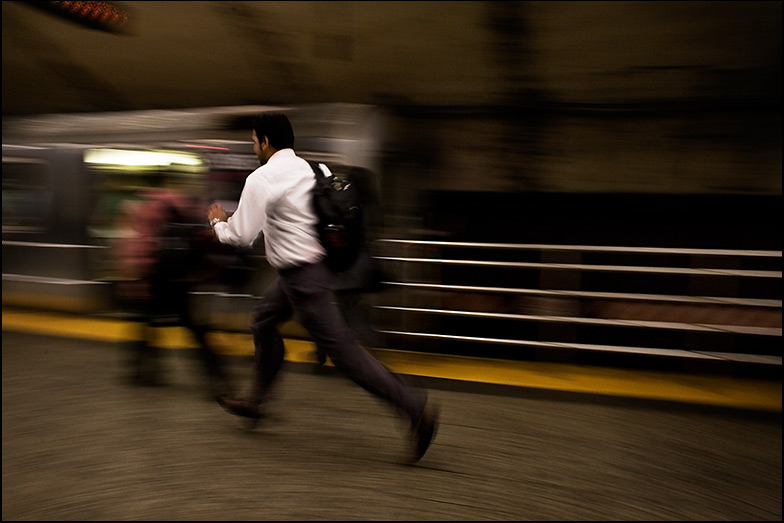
x,y
340,227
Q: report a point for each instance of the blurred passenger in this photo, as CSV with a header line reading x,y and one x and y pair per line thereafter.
x,y
159,256
353,286
276,201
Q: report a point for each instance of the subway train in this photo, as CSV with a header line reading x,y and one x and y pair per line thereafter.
x,y
65,176
593,277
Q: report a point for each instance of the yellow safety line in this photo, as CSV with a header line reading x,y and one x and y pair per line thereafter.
x,y
702,389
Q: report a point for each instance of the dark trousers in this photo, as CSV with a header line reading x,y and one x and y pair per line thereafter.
x,y
306,292
169,305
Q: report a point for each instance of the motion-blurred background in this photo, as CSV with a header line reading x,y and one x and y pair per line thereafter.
x,y
622,160
555,96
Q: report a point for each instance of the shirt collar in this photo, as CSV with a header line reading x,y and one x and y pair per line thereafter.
x,y
281,155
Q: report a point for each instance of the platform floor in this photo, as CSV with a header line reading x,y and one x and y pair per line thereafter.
x,y
529,443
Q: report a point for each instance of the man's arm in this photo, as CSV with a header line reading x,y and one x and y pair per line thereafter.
x,y
243,227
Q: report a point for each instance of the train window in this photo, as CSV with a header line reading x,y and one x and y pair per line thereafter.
x,y
122,173
27,194
227,174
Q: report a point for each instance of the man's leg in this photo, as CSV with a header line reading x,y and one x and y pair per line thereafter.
x,y
309,289
271,310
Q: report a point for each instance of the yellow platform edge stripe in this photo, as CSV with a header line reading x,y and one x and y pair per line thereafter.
x,y
728,391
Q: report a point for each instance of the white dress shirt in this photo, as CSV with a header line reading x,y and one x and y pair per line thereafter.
x,y
277,201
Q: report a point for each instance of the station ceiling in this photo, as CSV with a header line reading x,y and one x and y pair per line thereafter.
x,y
446,54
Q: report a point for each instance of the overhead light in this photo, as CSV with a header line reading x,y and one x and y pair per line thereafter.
x,y
125,158
104,16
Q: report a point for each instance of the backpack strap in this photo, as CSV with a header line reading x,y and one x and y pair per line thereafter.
x,y
316,166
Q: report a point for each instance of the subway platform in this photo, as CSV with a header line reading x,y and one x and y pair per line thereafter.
x,y
517,440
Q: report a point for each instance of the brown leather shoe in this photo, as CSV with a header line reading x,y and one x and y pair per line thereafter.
x,y
239,407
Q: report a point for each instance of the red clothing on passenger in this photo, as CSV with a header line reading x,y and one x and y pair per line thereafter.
x,y
140,223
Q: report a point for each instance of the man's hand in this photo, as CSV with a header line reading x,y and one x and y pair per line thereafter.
x,y
216,211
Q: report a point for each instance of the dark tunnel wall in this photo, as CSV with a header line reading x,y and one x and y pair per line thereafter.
x,y
443,54
564,97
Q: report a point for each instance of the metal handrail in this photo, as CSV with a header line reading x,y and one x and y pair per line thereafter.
x,y
685,326
584,267
703,300
669,325
589,248
692,354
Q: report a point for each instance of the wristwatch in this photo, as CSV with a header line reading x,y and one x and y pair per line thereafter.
x,y
214,221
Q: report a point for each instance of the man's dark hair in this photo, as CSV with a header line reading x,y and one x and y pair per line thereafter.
x,y
276,127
